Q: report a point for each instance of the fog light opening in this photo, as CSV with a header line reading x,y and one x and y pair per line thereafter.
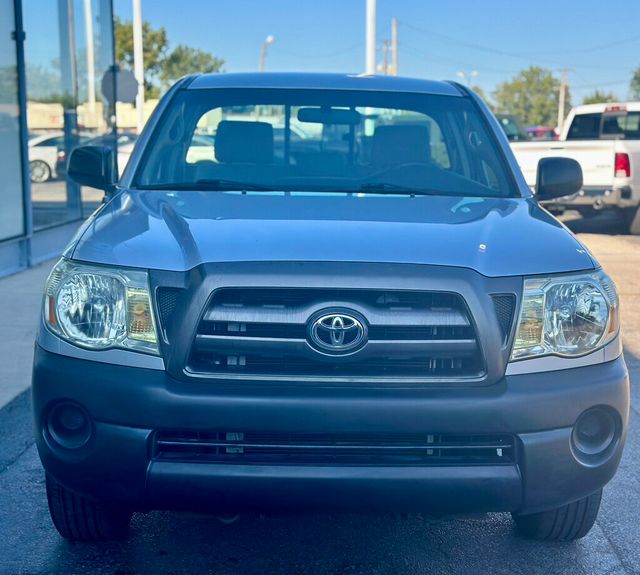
x,y
594,433
69,425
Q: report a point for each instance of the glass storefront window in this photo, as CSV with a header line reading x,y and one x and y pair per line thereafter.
x,y
68,49
11,194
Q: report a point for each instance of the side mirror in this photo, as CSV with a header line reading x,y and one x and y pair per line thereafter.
x,y
557,177
93,166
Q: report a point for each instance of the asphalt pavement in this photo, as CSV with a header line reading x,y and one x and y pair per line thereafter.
x,y
172,543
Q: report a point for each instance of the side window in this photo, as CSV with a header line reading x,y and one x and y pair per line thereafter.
x,y
626,125
439,150
201,146
585,127
490,176
57,141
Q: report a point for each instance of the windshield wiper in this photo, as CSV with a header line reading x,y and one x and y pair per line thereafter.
x,y
214,185
387,188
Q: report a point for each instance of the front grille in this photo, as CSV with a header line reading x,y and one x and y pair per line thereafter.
x,y
166,301
504,305
265,332
427,449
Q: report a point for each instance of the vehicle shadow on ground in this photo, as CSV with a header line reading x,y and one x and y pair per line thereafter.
x,y
171,543
603,223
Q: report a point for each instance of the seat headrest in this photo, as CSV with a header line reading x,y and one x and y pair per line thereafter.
x,y
242,142
400,144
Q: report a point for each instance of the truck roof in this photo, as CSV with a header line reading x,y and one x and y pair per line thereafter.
x,y
600,108
323,81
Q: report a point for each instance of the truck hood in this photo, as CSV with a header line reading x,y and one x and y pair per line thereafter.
x,y
180,230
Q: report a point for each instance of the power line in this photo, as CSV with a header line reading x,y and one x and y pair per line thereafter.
x,y
458,63
521,56
593,48
445,37
315,55
601,85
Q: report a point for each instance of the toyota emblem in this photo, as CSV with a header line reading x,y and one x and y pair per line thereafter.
x,y
337,332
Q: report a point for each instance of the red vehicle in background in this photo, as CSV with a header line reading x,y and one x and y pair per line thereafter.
x,y
541,133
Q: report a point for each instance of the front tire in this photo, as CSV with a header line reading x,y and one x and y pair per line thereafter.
x,y
566,523
39,171
80,519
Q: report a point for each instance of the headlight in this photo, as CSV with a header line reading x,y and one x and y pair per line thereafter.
x,y
100,307
567,316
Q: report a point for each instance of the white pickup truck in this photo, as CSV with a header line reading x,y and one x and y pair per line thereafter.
x,y
605,140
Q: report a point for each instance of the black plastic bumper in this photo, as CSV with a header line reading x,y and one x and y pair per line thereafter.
x,y
128,404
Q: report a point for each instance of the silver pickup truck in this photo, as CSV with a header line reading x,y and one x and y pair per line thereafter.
x,y
605,140
375,315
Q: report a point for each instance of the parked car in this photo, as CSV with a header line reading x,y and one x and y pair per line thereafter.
x,y
537,133
512,128
43,152
605,140
375,329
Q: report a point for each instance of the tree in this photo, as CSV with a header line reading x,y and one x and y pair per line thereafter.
x,y
184,60
532,95
154,47
160,65
478,90
598,97
634,87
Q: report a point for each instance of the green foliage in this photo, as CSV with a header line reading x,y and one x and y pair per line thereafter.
x,y
478,90
154,47
161,66
184,60
634,86
532,95
8,85
44,84
598,97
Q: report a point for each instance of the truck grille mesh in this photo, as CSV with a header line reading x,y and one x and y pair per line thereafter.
x,y
265,332
505,305
326,449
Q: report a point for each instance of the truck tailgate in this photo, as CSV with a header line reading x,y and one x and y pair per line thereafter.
x,y
596,157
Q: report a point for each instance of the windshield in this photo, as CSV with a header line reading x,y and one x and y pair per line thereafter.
x,y
323,140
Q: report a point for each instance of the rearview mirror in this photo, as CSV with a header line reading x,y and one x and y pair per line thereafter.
x,y
557,177
327,115
93,166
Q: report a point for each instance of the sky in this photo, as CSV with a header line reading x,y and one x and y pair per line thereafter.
x,y
598,41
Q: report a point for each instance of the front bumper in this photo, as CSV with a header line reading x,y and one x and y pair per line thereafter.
x,y
128,404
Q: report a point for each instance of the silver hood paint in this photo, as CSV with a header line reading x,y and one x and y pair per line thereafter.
x,y
180,230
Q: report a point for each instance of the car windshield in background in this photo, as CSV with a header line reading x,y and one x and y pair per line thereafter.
x,y
324,141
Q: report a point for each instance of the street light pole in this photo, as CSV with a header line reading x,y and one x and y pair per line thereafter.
x,y
263,52
91,67
138,62
467,77
371,37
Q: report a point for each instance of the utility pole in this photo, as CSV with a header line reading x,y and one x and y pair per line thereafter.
x,y
371,37
394,46
138,62
386,46
564,81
